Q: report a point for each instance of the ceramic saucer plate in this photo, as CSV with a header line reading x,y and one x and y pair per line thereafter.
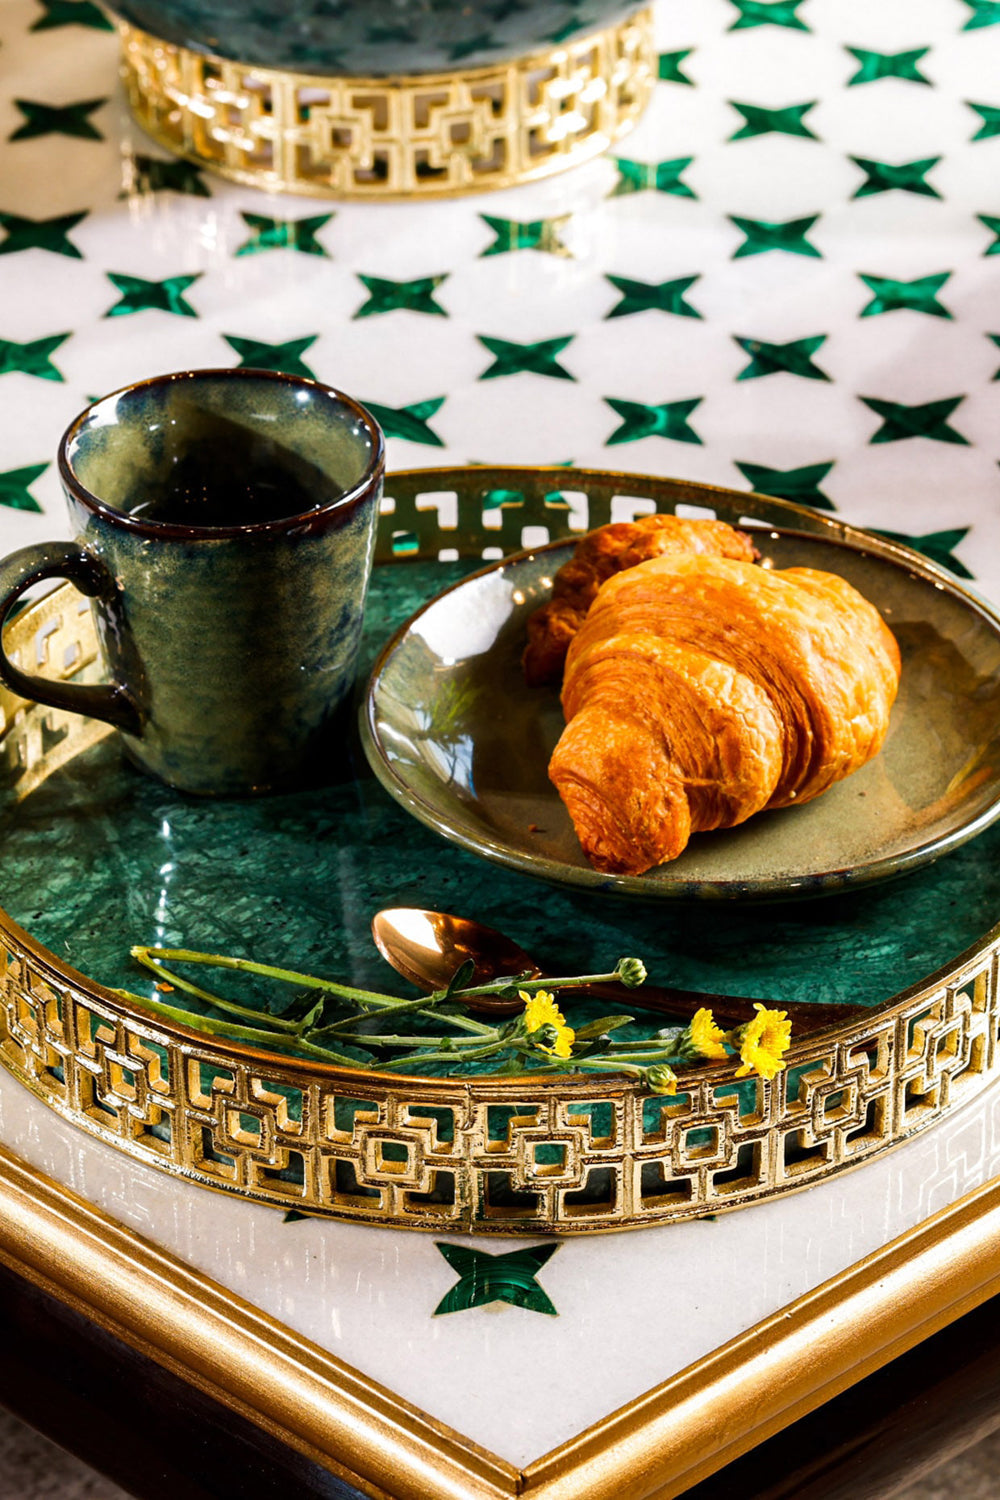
x,y
457,738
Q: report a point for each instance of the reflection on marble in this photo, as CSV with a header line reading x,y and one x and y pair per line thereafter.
x,y
368,1295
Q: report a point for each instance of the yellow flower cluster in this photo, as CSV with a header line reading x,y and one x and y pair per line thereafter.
x,y
763,1042
541,1010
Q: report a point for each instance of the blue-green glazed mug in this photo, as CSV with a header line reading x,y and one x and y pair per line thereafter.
x,y
225,524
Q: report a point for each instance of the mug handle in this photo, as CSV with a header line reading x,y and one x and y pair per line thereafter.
x,y
112,702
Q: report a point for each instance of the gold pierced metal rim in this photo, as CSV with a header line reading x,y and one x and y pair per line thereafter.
x,y
418,136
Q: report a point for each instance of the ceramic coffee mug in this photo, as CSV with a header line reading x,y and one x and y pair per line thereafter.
x,y
225,523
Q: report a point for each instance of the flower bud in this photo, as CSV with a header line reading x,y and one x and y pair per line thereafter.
x,y
631,972
661,1079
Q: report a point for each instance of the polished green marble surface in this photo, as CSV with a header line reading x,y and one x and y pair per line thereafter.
x,y
100,856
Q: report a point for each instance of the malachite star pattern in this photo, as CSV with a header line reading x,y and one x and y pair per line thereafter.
x,y
653,176
138,295
40,234
996,339
907,177
33,358
647,296
875,65
486,1278
71,13
917,296
283,234
669,419
525,359
668,67
762,236
992,223
536,234
409,422
794,358
57,119
801,485
150,174
285,358
929,420
409,296
990,114
760,121
984,13
15,485
939,546
768,13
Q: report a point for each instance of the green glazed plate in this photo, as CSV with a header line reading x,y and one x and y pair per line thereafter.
x,y
453,733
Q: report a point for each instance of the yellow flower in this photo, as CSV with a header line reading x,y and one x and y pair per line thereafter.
x,y
542,1012
762,1042
706,1037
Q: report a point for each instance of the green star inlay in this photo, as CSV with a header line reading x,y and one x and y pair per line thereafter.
x,y
907,177
536,234
57,119
929,420
643,296
656,176
150,174
285,358
389,296
762,236
527,359
918,296
486,1278
787,121
772,359
40,234
668,68
992,223
768,13
14,485
801,485
996,339
642,420
71,13
410,422
138,295
984,13
875,65
937,545
33,358
283,234
991,120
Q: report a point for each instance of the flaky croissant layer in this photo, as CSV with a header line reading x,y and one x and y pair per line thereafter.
x,y
700,690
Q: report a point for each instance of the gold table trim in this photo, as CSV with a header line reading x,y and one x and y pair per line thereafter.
x,y
221,1114
659,1446
426,135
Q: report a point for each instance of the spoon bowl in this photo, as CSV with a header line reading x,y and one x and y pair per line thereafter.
x,y
427,947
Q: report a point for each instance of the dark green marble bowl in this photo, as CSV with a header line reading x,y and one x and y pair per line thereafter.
x,y
372,38
455,736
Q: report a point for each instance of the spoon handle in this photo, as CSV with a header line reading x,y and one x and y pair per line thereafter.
x,y
732,1008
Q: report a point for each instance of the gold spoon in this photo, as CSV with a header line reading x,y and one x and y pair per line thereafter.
x,y
427,947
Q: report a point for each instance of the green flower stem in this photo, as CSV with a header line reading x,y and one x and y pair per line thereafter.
x,y
532,986
425,1006
462,1043
227,1029
278,1023
402,1064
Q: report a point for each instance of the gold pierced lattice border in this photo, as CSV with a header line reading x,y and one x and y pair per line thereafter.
x,y
410,137
489,1155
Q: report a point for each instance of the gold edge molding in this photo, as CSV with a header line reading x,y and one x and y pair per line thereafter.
x,y
668,1440
787,1365
408,137
232,1351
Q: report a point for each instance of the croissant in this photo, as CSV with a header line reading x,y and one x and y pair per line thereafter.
x,y
598,555
700,690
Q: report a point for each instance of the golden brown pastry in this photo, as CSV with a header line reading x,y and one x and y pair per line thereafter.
x,y
700,690
601,553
